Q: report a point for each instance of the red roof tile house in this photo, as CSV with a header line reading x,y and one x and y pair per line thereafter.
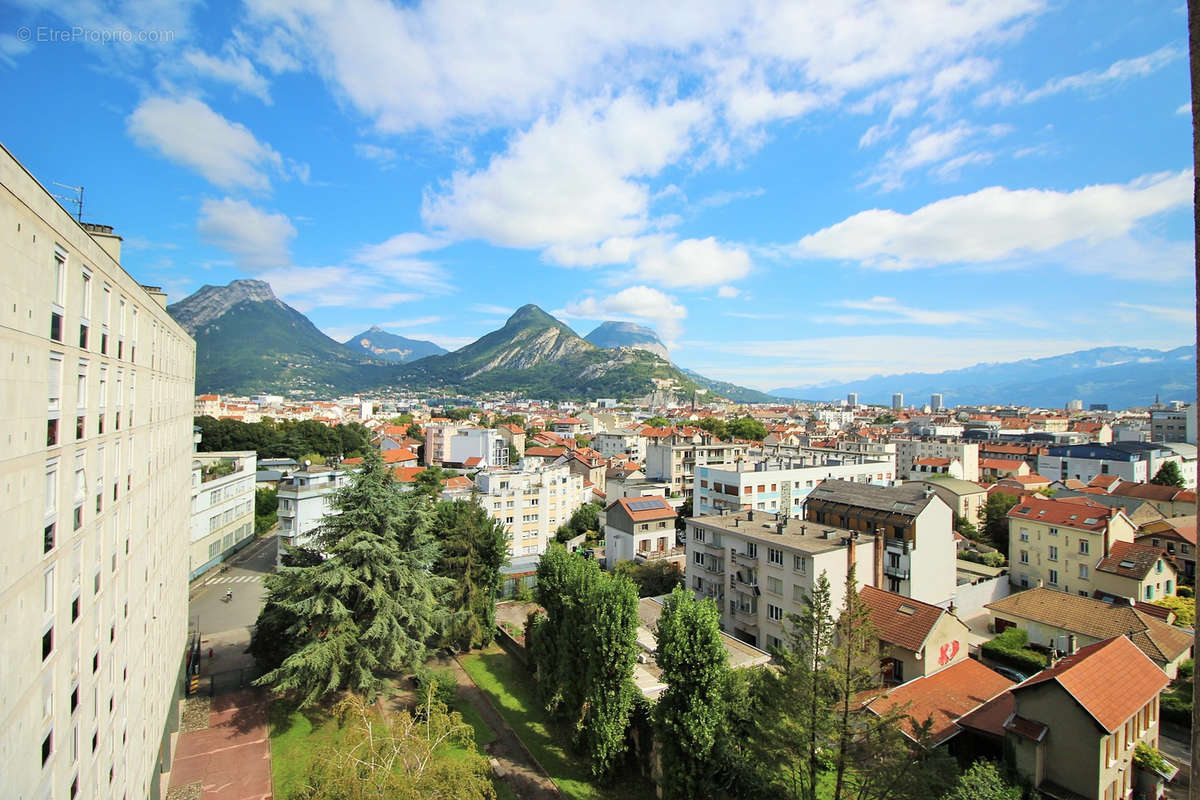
x,y
1071,729
1057,544
918,638
641,529
1178,537
1136,571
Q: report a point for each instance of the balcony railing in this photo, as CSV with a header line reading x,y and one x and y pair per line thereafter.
x,y
898,573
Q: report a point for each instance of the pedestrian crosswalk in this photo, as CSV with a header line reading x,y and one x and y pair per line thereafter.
x,y
233,579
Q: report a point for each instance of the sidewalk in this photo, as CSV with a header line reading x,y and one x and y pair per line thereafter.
x,y
231,758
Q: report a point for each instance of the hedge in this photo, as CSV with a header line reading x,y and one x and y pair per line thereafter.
x,y
1009,648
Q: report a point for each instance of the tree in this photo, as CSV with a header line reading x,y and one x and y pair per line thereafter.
x,y
982,781
685,511
884,419
585,520
853,668
689,713
311,458
652,578
797,726
995,516
1169,474
1184,608
415,431
429,481
371,605
474,548
355,439
747,428
658,422
266,509
714,425
399,756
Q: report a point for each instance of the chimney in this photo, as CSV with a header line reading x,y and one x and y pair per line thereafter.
x,y
851,556
803,529
158,295
104,236
1071,644
779,527
878,558
750,518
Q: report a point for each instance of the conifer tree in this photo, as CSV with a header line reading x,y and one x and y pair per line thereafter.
x,y
474,548
372,605
853,667
689,713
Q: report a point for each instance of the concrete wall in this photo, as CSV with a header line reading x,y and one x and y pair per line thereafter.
x,y
970,598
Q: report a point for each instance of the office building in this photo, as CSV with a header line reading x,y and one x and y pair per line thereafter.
x,y
98,392
936,402
897,401
852,399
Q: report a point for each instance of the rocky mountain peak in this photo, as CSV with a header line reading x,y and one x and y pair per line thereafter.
x,y
612,334
211,302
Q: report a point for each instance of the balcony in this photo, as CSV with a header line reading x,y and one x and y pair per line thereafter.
x,y
643,556
743,559
899,573
744,614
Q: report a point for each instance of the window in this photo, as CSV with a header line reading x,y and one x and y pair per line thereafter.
x,y
774,585
54,392
1149,592
751,549
1024,556
1084,546
1083,571
47,746
698,558
1024,534
798,563
47,643
1158,566
1053,555
775,556
774,612
1053,578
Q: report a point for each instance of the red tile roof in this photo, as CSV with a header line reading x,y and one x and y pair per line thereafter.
x,y
473,461
660,510
457,482
1183,527
1103,481
1001,463
1112,680
944,696
1131,559
406,474
545,452
398,455
1150,491
900,620
1091,517
990,717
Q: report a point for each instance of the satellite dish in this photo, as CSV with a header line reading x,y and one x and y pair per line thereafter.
x,y
307,463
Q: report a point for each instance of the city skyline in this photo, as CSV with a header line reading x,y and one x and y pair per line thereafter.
x,y
783,210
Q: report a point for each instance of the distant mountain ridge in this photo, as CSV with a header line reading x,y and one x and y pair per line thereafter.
x,y
1119,376
628,334
375,342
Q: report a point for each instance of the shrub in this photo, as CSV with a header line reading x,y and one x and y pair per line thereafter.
x,y
1185,591
1149,758
1010,648
1186,668
1176,709
444,686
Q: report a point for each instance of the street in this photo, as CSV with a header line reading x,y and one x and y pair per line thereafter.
x,y
224,625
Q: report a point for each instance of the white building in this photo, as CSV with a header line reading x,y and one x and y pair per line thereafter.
x,y
478,448
222,507
759,568
774,484
532,501
1174,425
897,401
304,499
910,451
936,402
98,392
620,443
675,463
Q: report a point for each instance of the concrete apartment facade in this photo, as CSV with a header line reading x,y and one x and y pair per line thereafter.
x,y
1057,544
304,500
1173,425
760,567
676,463
478,448
222,507
909,451
630,445
532,501
97,430
773,484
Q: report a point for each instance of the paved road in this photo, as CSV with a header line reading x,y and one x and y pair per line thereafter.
x,y
208,608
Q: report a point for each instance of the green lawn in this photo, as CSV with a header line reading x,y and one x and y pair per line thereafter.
x,y
295,736
510,688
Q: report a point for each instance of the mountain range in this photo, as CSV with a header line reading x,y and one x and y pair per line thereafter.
x,y
375,342
1118,376
247,340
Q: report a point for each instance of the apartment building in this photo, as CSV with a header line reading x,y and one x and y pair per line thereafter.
x,y
916,525
98,395
641,529
910,451
305,498
1130,461
222,507
774,484
1057,544
438,438
532,501
674,461
760,567
621,443
1174,425
478,448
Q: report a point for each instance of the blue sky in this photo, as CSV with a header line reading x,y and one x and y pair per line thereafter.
x,y
790,193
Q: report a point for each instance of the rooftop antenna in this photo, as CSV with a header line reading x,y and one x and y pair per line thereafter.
x,y
76,199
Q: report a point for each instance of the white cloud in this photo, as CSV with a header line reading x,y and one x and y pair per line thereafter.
x,y
569,180
11,48
694,262
938,149
306,288
191,134
994,224
255,238
400,246
385,156
634,304
1091,81
1147,313
232,68
1184,110
728,292
408,323
887,310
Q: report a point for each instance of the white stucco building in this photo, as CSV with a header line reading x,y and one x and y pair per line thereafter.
x,y
304,500
532,501
97,391
774,484
222,507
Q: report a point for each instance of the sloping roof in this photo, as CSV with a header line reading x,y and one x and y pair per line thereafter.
x,y
1096,619
545,452
908,499
1131,559
956,486
1152,491
990,717
457,482
900,620
644,509
944,696
397,455
1103,481
1131,505
406,474
1090,517
1110,679
1183,527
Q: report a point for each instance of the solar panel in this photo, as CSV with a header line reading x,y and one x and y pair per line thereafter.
x,y
644,505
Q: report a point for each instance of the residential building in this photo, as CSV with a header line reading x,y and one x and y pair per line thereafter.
x,y
773,484
936,402
1174,424
909,451
438,438
305,497
1139,510
532,501
569,426
760,567
1071,730
98,395
918,638
1178,537
514,435
897,401
966,499
642,529
1058,544
1064,622
1129,461
620,443
1170,501
222,507
588,465
1136,572
1186,460
916,525
674,461
478,448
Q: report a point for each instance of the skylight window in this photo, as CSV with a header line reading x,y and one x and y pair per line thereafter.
x,y
1126,565
907,610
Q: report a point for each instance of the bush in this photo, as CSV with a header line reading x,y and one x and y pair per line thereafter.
x,y
1010,648
1185,591
1176,709
445,687
1186,668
